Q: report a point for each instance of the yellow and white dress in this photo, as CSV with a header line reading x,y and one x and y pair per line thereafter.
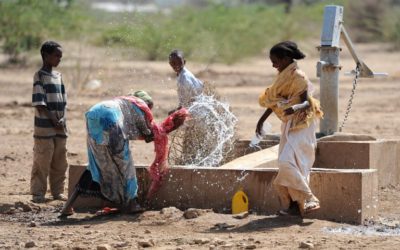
x,y
297,142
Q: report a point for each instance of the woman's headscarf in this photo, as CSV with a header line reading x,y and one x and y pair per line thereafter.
x,y
144,96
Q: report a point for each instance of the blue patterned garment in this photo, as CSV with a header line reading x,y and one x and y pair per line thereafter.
x,y
110,125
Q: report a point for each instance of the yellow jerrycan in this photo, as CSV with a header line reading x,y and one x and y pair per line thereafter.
x,y
240,202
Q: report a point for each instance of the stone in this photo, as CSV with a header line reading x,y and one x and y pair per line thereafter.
x,y
30,244
201,241
191,213
25,207
104,247
32,224
56,245
221,226
252,246
121,244
306,245
241,215
170,211
218,241
67,234
160,222
11,211
79,248
146,243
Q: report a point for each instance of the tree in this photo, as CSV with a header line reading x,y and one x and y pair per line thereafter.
x,y
25,23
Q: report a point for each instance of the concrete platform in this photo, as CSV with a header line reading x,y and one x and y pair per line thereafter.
x,y
339,151
346,195
264,158
241,148
383,155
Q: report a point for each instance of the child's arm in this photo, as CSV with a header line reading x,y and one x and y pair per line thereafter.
x,y
262,119
303,105
174,110
63,119
51,116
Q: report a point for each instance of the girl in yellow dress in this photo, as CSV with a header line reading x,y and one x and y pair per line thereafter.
x,y
289,97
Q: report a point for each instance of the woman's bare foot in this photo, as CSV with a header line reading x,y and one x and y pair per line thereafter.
x,y
65,213
310,206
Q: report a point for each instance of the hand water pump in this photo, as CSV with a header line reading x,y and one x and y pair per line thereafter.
x,y
328,68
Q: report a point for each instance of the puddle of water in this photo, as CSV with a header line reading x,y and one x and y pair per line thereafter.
x,y
384,227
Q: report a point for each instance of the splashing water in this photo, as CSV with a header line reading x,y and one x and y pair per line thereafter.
x,y
380,228
208,137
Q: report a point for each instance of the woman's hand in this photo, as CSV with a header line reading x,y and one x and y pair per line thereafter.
x,y
149,138
259,127
262,119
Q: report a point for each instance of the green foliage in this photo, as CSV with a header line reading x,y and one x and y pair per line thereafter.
x,y
24,24
224,33
391,27
214,33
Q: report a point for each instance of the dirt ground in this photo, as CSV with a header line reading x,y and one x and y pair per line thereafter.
x,y
24,224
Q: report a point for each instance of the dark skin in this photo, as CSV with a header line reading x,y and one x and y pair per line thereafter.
x,y
51,60
177,63
280,64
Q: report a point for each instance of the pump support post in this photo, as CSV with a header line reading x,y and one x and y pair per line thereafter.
x,y
328,68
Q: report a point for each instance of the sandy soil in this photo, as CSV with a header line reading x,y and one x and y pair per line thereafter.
x,y
23,224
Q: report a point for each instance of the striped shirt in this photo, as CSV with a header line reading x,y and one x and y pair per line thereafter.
x,y
48,91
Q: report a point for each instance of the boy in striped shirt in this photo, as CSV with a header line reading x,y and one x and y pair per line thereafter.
x,y
50,132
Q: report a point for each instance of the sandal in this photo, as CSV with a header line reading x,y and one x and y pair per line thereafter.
x,y
293,210
107,211
310,206
283,212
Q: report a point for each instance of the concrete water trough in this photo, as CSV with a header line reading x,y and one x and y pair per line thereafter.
x,y
347,195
